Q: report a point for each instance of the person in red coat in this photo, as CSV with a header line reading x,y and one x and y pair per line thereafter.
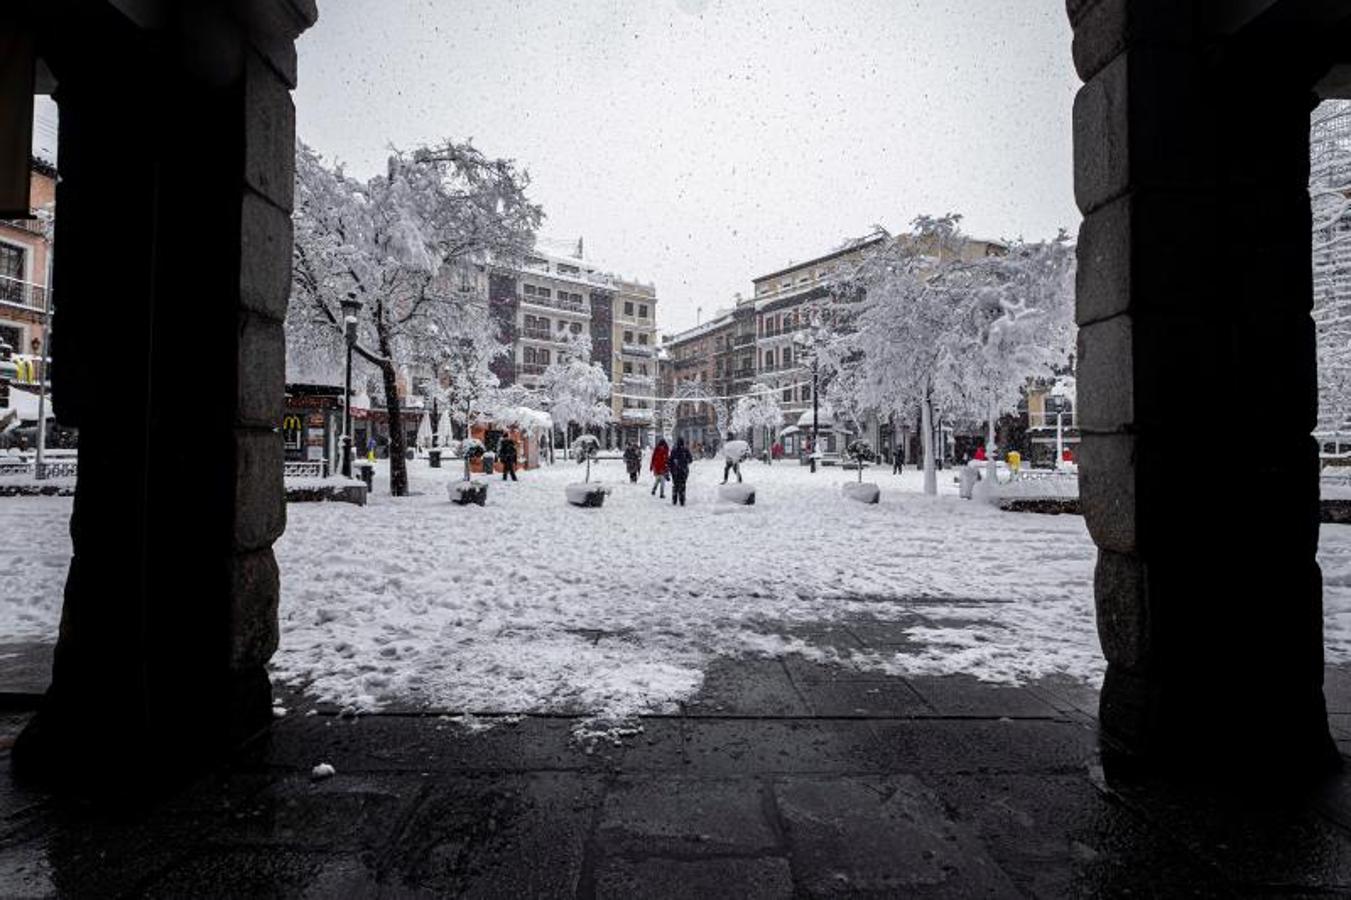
x,y
660,454
980,453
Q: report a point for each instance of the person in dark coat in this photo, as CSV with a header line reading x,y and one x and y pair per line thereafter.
x,y
679,467
897,460
660,455
506,454
633,461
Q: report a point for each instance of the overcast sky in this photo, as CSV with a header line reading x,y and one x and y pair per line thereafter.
x,y
699,143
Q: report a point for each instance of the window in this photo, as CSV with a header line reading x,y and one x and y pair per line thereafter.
x,y
562,326
786,283
628,368
628,308
788,395
769,359
642,310
628,337
576,328
544,292
803,280
787,356
536,261
567,269
12,335
806,392
642,338
642,368
529,290
11,261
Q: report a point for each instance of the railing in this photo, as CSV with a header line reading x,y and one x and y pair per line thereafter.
x,y
304,468
644,380
744,373
554,303
688,362
531,368
66,468
33,225
742,340
543,334
636,415
637,349
14,292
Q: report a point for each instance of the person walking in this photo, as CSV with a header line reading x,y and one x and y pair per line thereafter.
x,y
506,452
679,466
660,454
896,461
633,461
733,452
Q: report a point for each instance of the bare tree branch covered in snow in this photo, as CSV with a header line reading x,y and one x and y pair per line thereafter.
x,y
1330,196
757,409
402,243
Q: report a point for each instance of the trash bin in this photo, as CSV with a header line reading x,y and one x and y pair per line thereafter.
x,y
966,481
366,472
434,457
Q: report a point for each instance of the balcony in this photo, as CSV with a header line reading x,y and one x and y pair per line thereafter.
x,y
744,373
633,414
542,334
531,370
742,340
22,294
645,350
553,303
638,380
689,362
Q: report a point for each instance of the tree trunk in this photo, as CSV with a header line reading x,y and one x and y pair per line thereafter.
x,y
991,464
927,438
398,466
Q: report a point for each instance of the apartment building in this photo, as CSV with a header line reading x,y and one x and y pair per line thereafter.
x,y
550,299
701,355
23,276
635,353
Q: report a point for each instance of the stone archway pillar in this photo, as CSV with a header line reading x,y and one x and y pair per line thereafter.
x,y
1197,384
171,283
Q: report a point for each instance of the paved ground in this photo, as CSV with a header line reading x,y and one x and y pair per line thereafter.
x,y
782,778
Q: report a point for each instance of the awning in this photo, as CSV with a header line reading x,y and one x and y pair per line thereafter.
x,y
789,431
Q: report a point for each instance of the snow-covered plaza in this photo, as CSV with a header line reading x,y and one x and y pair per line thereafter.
x,y
532,605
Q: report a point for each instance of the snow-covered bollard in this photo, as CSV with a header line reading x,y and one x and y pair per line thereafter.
x,y
466,492
862,491
584,493
741,493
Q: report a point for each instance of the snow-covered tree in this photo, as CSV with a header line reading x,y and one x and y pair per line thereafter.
x,y
578,390
1016,324
400,243
1330,196
895,350
757,409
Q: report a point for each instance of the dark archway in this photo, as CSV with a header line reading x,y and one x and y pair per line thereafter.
x,y
1191,168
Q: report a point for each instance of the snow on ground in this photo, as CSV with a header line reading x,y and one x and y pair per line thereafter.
x,y
531,605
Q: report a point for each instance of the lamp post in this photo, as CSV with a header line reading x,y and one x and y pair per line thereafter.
x,y
350,307
803,340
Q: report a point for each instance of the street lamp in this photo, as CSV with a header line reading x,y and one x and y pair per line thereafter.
x,y
804,340
350,307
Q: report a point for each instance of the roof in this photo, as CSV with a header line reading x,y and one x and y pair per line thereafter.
x,y
850,247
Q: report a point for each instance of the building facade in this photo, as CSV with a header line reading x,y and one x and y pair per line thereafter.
x,y
23,277
548,301
635,354
698,364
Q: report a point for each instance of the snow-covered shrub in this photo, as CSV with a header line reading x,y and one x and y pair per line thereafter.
x,y
470,450
860,452
586,448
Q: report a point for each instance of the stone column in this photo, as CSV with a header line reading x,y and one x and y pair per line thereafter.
x,y
173,219
1197,385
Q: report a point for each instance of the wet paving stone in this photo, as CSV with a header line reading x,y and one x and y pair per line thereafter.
x,y
766,746
677,879
975,745
881,836
962,695
496,836
875,699
1060,836
742,687
686,816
